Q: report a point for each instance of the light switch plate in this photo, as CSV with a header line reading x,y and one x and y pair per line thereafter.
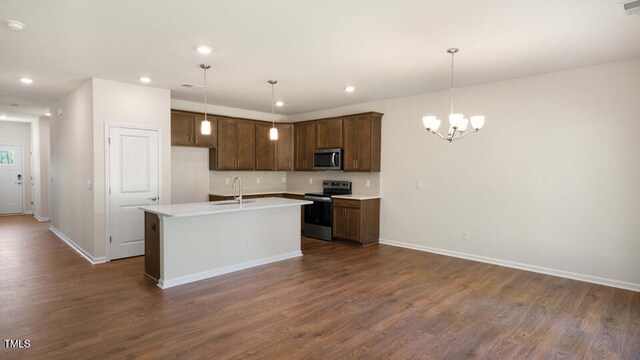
x,y
310,180
367,183
419,185
226,181
257,180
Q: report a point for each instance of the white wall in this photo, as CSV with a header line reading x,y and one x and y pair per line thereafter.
x,y
551,181
72,166
121,103
19,133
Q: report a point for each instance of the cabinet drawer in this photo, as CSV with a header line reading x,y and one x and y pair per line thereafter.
x,y
347,203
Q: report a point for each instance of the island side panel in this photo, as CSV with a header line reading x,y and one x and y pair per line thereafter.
x,y
152,245
199,247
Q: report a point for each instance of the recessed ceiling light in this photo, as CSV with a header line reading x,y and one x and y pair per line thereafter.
x,y
279,103
15,25
349,89
205,50
47,114
25,80
3,117
145,79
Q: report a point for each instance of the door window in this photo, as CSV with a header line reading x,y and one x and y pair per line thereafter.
x,y
6,157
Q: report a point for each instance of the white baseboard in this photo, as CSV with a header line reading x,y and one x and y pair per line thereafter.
x,y
516,265
77,248
40,218
165,284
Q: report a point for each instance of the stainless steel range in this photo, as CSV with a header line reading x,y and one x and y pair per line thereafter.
x,y
318,216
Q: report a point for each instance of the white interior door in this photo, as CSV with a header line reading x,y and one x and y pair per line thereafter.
x,y
11,179
133,181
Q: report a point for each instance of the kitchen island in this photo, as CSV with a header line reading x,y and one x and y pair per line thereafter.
x,y
190,242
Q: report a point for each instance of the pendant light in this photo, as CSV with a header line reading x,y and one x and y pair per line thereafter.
x,y
457,122
205,125
273,132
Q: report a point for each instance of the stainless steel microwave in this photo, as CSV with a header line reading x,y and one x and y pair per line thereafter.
x,y
327,159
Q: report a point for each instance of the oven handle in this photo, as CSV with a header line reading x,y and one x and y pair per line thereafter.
x,y
317,198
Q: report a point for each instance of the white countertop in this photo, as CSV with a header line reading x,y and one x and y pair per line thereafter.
x,y
258,193
220,207
356,197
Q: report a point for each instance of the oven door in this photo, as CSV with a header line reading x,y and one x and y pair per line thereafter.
x,y
317,218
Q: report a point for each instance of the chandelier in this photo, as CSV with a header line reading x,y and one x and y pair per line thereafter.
x,y
458,124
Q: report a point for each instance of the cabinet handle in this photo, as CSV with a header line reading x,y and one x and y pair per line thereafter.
x,y
357,164
289,164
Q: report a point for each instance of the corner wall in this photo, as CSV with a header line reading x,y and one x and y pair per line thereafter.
x,y
550,183
72,167
120,103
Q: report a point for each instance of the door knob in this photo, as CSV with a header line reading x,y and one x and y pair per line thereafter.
x,y
153,198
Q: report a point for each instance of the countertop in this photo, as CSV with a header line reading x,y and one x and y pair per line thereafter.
x,y
356,197
220,207
350,196
259,193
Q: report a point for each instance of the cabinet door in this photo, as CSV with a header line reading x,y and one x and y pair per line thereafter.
x,y
204,140
265,148
300,146
350,144
246,145
226,144
310,145
181,129
284,147
339,225
363,135
329,134
352,219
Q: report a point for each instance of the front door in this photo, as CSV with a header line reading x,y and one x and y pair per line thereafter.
x,y
11,179
133,181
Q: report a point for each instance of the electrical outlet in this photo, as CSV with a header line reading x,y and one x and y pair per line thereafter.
x,y
465,236
246,243
226,181
367,183
284,180
419,185
257,180
310,180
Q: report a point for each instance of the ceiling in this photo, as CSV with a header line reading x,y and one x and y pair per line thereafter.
x,y
313,48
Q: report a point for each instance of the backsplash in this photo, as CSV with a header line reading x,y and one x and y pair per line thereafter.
x,y
299,181
269,181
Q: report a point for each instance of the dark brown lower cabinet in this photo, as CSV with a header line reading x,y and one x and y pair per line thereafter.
x,y
152,245
357,220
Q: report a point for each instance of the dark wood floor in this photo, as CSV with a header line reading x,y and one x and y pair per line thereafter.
x,y
335,302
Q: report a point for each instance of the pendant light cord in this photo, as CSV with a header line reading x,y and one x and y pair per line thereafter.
x,y
451,86
205,94
273,107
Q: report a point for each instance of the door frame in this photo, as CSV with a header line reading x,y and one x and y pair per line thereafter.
x,y
24,196
107,172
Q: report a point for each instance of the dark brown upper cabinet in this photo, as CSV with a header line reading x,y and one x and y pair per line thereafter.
x,y
329,134
265,148
362,140
305,144
185,130
284,147
236,144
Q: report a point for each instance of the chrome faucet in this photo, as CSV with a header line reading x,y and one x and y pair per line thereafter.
x,y
239,197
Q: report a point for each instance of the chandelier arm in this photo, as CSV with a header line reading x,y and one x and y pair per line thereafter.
x,y
439,135
467,133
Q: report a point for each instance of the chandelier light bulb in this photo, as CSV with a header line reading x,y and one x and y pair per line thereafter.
x,y
456,120
477,122
431,123
463,124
